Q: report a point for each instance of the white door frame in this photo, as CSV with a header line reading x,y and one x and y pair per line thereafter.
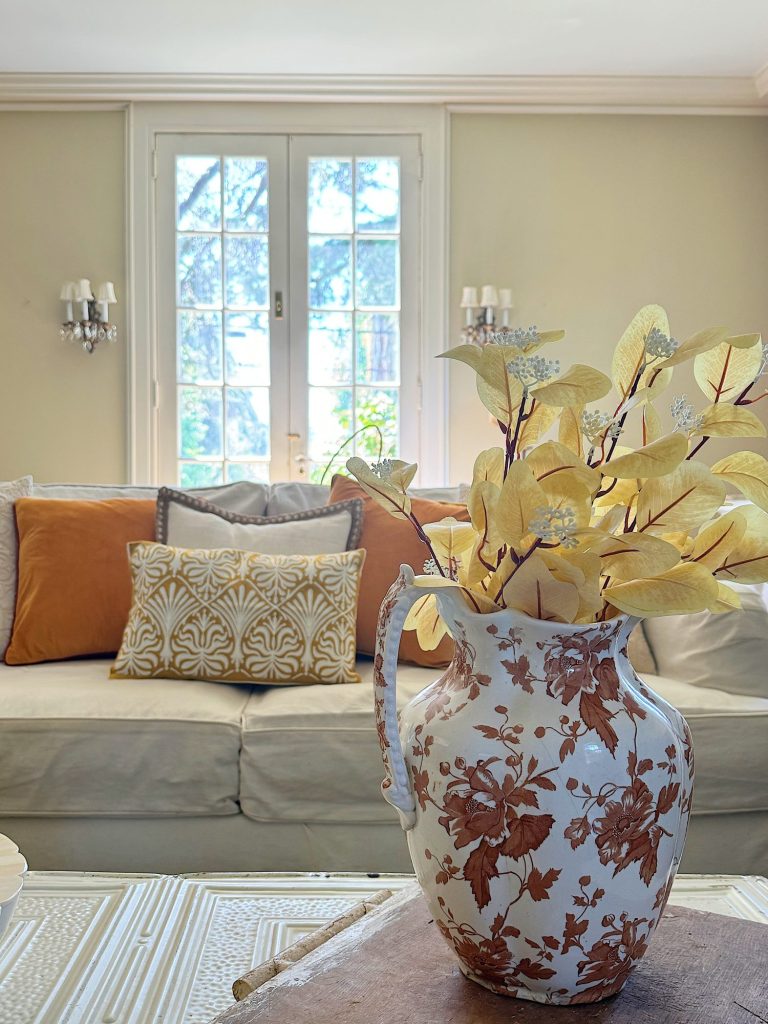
x,y
147,120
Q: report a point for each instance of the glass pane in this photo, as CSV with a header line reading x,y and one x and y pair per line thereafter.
x,y
199,270
377,272
330,348
377,195
330,273
378,407
248,422
246,348
378,348
199,347
258,471
247,265
246,194
330,421
322,473
200,474
200,413
329,200
198,193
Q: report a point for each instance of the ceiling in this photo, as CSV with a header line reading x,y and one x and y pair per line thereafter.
x,y
391,37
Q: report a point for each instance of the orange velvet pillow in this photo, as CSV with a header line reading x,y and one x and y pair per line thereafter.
x,y
389,543
74,589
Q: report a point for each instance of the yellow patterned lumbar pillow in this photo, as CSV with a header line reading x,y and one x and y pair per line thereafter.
x,y
237,617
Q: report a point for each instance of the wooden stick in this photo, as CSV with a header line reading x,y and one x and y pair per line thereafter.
x,y
286,958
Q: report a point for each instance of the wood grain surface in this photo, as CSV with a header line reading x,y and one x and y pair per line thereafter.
x,y
393,967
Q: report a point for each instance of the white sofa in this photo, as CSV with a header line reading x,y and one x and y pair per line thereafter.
x,y
162,775
174,776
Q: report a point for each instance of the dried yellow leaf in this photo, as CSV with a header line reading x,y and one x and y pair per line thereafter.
x,y
540,418
724,371
748,472
425,618
629,555
489,465
578,386
724,420
652,429
727,600
703,341
655,459
531,588
747,562
629,355
521,496
716,540
682,500
569,432
683,588
552,462
389,492
451,540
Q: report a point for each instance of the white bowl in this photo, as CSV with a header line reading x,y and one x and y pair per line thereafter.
x,y
12,869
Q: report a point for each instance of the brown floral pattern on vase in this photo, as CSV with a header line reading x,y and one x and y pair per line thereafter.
x,y
550,794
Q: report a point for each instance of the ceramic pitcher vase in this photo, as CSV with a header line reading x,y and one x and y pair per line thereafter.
x,y
544,791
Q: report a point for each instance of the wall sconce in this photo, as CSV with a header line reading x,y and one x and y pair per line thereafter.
x,y
480,330
92,326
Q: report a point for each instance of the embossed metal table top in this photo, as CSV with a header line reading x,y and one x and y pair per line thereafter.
x,y
144,949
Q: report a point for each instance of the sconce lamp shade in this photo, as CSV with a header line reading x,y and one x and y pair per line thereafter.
x,y
68,292
106,292
469,298
84,293
505,298
489,296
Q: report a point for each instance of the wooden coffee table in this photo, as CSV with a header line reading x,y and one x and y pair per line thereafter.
x,y
146,949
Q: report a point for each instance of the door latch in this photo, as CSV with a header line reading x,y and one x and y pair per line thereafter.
x,y
278,305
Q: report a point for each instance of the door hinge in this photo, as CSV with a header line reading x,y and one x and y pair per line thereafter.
x,y
154,165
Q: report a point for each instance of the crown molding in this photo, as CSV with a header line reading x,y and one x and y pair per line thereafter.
x,y
748,95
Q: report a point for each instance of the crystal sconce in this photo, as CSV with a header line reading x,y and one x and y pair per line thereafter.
x,y
479,329
93,324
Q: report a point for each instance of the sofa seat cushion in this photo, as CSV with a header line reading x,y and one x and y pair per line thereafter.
x,y
311,753
74,742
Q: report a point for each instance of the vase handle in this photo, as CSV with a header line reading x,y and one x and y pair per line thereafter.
x,y
398,601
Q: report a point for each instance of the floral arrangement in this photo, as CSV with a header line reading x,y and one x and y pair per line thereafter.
x,y
582,528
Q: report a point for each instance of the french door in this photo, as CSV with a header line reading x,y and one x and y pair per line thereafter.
x,y
288,303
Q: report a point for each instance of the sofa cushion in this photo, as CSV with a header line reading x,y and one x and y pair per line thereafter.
x,y
185,521
728,651
10,490
74,589
243,496
311,754
73,742
297,496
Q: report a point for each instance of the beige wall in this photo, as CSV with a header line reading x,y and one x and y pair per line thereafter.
x,y
587,218
62,412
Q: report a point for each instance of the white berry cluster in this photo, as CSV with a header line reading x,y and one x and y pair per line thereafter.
x,y
659,346
684,414
516,337
595,425
555,524
531,370
383,469
431,568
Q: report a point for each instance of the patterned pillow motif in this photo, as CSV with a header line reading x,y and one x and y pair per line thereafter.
x,y
233,616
